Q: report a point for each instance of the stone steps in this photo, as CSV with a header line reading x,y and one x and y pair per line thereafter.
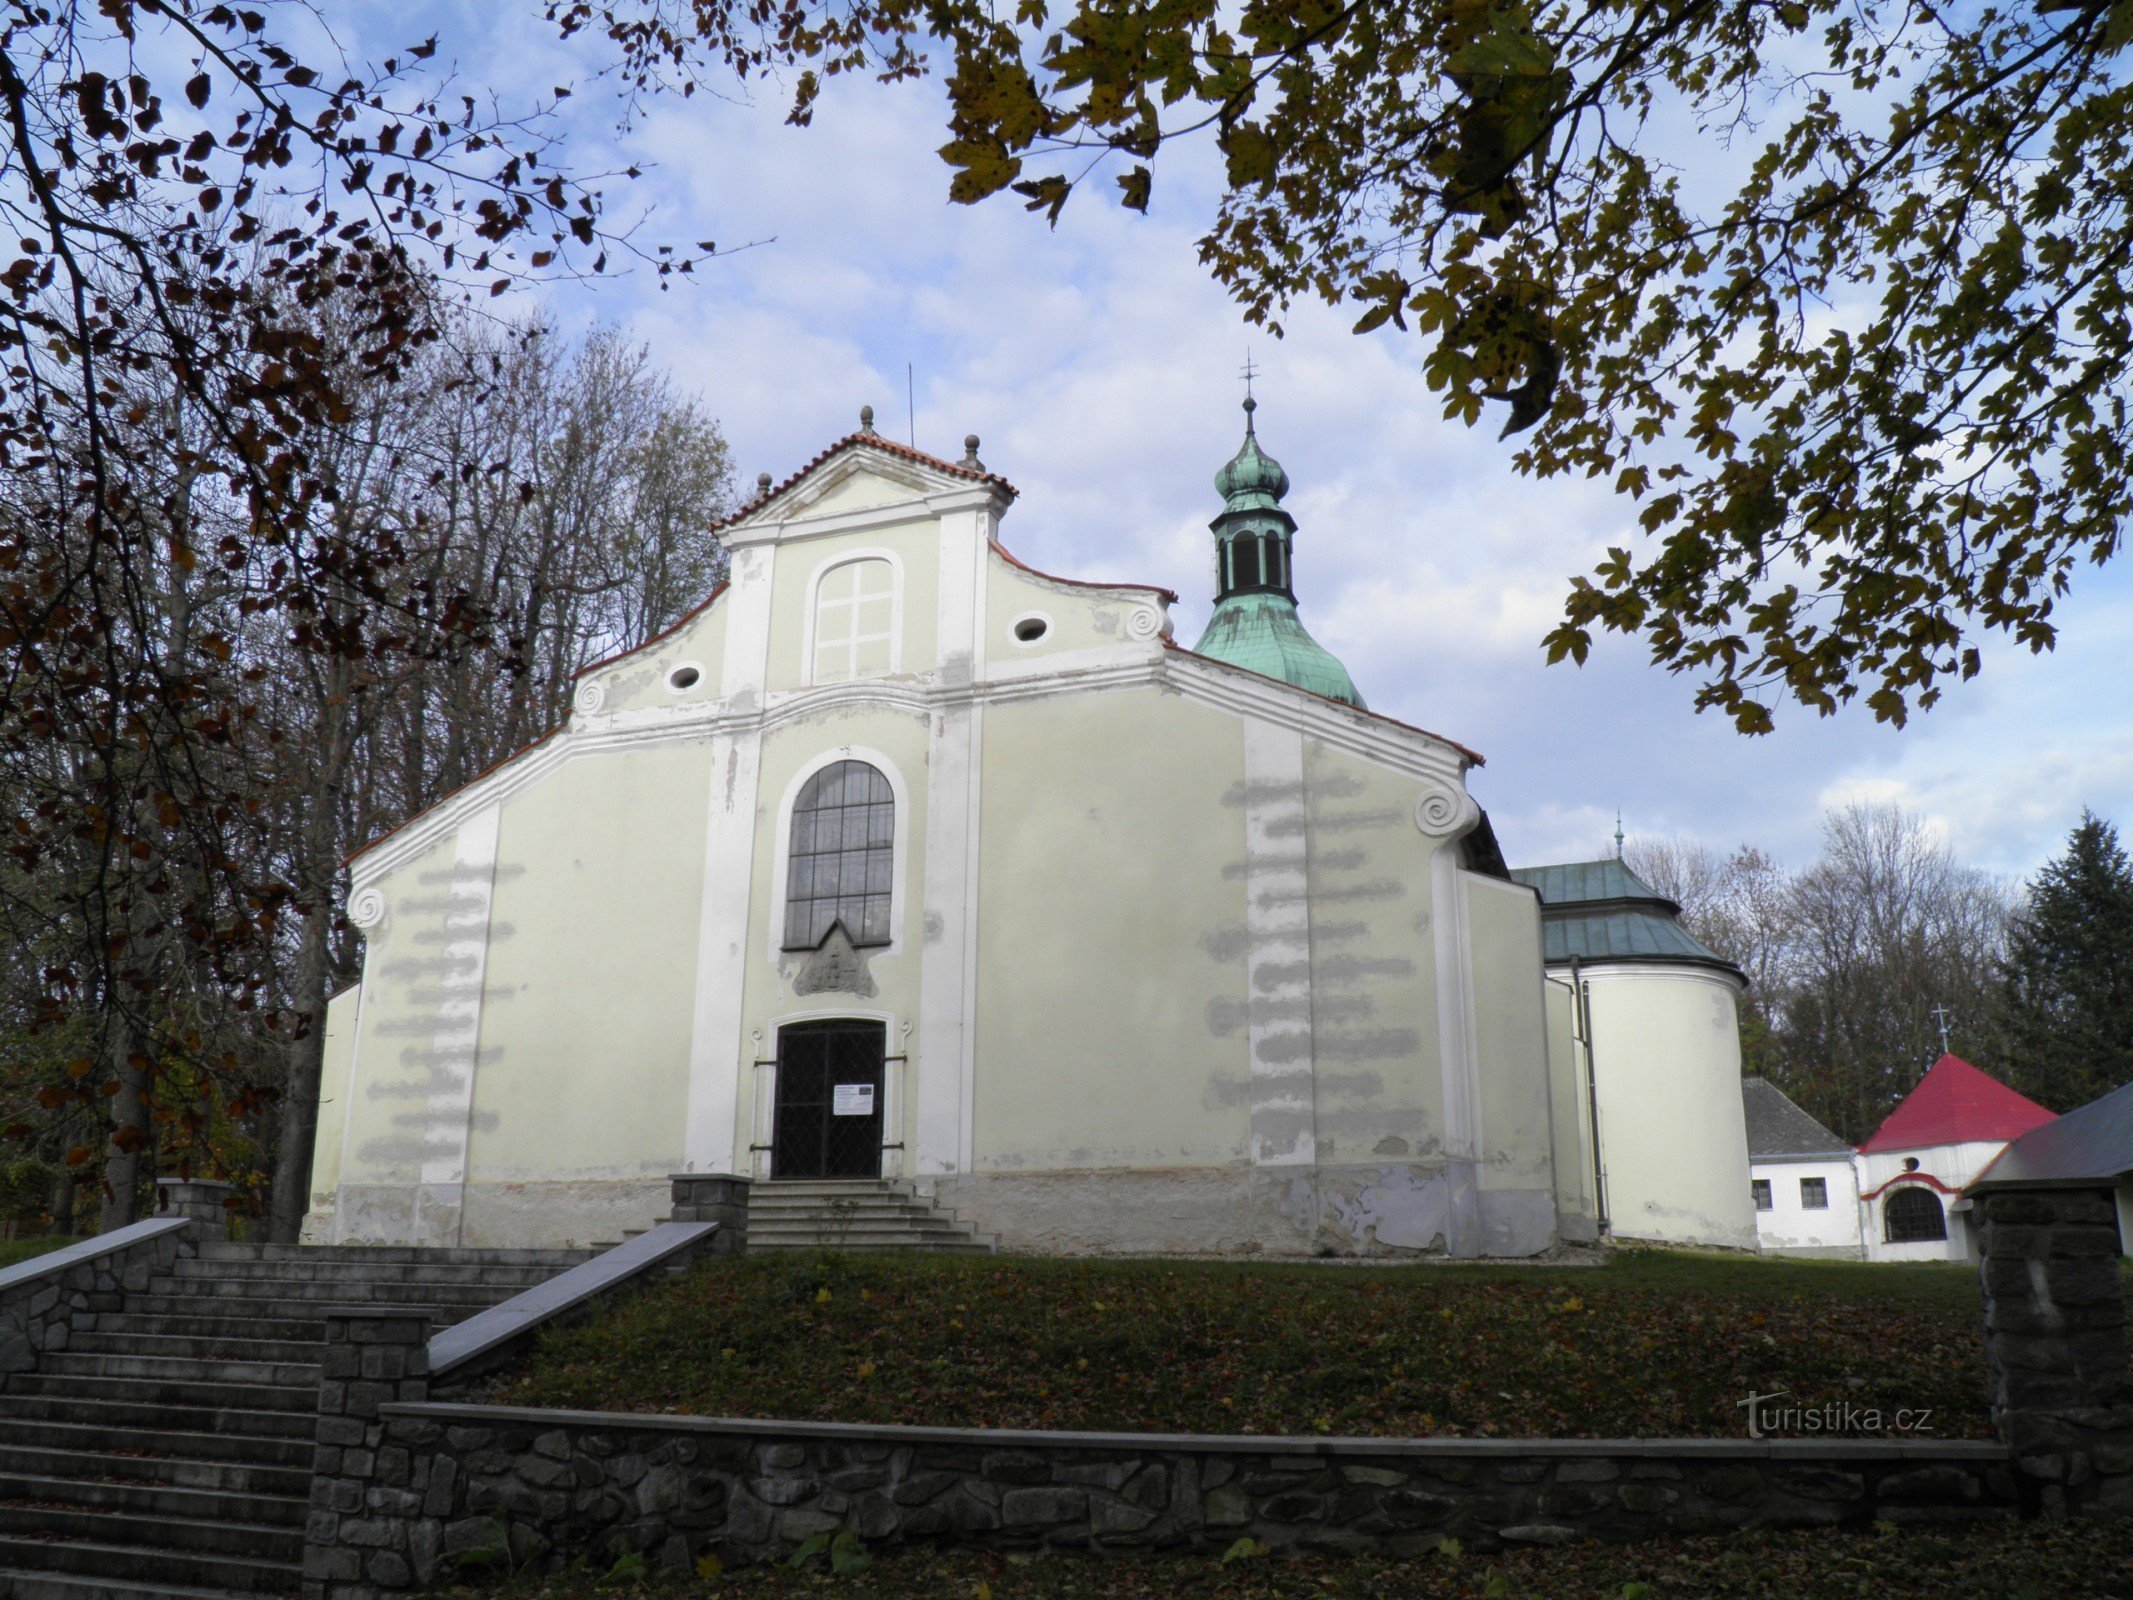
x,y
56,1460
825,1214
234,1325
147,1340
107,1438
158,1416
261,1541
165,1454
283,1312
297,1296
151,1363
18,1584
227,1274
399,1255
204,1506
130,1563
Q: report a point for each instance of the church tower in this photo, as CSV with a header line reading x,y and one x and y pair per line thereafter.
x,y
1255,625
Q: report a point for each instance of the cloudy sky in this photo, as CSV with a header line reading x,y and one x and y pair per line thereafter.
x,y
1098,364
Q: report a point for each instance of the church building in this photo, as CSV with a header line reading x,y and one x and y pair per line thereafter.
x,y
900,860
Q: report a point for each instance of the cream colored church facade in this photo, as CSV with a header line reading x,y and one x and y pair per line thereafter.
x,y
899,859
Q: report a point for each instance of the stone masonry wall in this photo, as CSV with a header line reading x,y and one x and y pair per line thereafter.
x,y
2055,1345
432,1482
40,1312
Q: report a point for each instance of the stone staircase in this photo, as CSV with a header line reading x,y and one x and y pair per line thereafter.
x,y
852,1214
165,1454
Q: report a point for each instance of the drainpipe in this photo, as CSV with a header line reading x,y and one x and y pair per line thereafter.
x,y
1581,998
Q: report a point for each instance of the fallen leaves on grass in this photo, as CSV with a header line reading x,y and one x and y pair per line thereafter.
x,y
1647,1346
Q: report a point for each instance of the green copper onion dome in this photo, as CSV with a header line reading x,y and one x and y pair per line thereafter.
x,y
1255,625
1251,480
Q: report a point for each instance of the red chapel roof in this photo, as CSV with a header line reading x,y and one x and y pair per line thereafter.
x,y
1955,1103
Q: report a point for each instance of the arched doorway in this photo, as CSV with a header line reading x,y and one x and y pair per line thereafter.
x,y
826,1122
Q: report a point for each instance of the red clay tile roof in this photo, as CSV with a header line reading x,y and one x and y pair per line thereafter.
x,y
1170,596
1955,1103
872,441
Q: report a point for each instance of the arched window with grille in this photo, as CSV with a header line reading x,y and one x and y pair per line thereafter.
x,y
855,621
843,857
1912,1215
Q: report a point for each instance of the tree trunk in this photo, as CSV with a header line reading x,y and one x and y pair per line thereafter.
x,y
129,1134
62,1203
290,1196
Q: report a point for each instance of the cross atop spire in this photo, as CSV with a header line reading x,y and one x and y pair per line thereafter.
x,y
1248,373
1618,833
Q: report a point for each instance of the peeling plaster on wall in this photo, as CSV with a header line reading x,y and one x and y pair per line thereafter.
x,y
1370,1210
449,911
1278,920
1339,858
556,1214
1225,1015
1236,1094
1404,1208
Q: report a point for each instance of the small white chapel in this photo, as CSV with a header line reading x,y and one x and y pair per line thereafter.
x,y
898,860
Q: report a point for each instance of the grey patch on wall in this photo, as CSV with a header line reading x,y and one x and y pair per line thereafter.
x,y
1325,933
1375,889
1226,1016
935,927
1351,821
1226,944
1229,1092
1391,1145
1271,791
1105,622
1342,968
1325,860
1392,1044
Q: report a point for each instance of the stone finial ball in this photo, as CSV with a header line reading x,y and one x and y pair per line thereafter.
x,y
866,419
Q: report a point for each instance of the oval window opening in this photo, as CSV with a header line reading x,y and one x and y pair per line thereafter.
x,y
683,678
1030,629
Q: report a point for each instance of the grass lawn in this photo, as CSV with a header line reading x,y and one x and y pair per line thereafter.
x,y
14,1250
2024,1562
1653,1343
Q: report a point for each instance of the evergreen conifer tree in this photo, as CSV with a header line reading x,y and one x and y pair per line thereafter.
x,y
2066,984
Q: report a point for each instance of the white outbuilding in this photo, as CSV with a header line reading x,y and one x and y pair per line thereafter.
x,y
1651,1018
1944,1133
1805,1188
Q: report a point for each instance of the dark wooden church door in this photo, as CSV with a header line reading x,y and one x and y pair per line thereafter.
x,y
827,1122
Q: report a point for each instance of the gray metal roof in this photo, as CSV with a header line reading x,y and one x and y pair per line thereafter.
x,y
2090,1144
1577,882
1602,911
1778,1130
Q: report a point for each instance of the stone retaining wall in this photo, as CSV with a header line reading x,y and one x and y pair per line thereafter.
x,y
430,1482
41,1298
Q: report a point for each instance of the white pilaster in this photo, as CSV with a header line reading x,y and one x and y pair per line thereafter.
x,y
1458,1047
1277,920
455,1045
945,1061
720,1053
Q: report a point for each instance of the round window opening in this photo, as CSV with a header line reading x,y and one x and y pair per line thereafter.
x,y
683,678
1030,629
